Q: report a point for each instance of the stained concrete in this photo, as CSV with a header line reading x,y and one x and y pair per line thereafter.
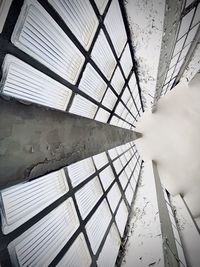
x,y
35,140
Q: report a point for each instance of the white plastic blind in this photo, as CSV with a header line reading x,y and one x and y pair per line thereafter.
x,y
79,16
101,5
114,196
121,217
22,81
107,176
37,34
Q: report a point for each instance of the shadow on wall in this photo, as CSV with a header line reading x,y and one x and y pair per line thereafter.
x,y
171,137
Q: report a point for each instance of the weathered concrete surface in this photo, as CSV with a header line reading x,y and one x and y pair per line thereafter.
x,y
35,140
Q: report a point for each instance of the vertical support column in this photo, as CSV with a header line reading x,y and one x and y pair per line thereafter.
x,y
169,245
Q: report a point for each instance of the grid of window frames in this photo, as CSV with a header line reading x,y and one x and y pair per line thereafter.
x,y
72,56
74,216
188,27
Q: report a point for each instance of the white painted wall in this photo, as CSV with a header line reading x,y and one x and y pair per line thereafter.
x,y
146,20
171,137
144,244
188,233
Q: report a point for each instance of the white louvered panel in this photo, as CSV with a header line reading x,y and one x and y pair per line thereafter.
x,y
126,95
129,194
123,160
119,109
37,34
196,16
121,217
103,56
132,82
117,165
133,182
88,196
110,249
80,171
185,23
113,153
114,196
124,113
97,225
101,5
39,245
115,27
128,155
128,171
4,8
79,16
191,34
22,81
184,51
100,160
23,201
123,179
120,150
92,84
117,81
83,107
109,99
126,61
114,120
102,115
106,177
77,255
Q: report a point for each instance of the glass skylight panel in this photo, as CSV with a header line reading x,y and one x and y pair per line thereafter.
x,y
88,196
113,153
77,255
107,177
126,95
185,23
179,45
23,201
126,61
129,194
132,82
191,35
40,244
110,249
102,115
22,81
80,17
103,55
97,225
184,52
117,165
83,107
115,27
117,81
114,196
120,108
100,160
196,16
38,35
92,84
174,60
123,179
114,120
80,171
109,99
133,182
121,217
101,5
4,8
